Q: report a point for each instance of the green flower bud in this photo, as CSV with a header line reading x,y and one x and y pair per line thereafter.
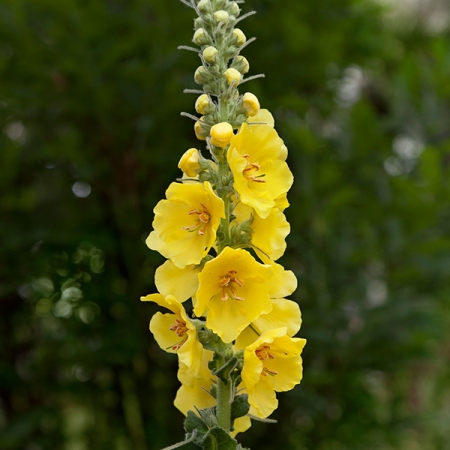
x,y
232,75
241,64
201,75
199,23
204,6
234,9
201,37
239,37
204,105
210,54
221,16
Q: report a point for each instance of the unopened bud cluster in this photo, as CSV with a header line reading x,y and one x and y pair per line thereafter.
x,y
221,72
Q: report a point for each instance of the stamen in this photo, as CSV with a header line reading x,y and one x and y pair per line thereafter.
x,y
180,344
253,166
266,372
203,219
227,290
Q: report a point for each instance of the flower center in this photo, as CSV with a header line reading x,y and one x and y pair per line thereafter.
x,y
202,222
227,287
180,329
251,170
263,353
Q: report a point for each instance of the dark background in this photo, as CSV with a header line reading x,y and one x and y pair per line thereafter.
x,y
90,138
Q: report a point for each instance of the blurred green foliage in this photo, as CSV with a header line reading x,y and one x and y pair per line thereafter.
x,y
90,96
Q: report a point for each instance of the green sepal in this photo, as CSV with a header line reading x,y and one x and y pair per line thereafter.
x,y
208,338
239,447
218,439
240,407
193,422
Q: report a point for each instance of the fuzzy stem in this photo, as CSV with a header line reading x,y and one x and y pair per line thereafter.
x,y
224,404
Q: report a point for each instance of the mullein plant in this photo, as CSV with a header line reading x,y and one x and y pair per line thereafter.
x,y
222,229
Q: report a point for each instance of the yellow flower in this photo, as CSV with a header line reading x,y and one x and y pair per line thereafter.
x,y
234,287
260,177
281,202
221,133
186,223
181,283
263,116
189,162
175,333
194,391
271,364
285,313
269,234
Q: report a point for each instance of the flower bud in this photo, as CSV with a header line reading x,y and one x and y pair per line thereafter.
x,y
189,162
204,6
221,16
221,134
210,54
201,75
200,130
250,104
241,64
239,37
234,9
232,75
201,37
204,105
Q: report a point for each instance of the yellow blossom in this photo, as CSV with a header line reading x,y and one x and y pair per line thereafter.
x,y
175,333
221,133
189,162
271,364
181,283
186,223
285,313
263,116
260,177
269,234
234,287
194,391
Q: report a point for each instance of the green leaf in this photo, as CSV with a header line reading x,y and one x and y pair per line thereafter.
x,y
218,439
193,422
240,407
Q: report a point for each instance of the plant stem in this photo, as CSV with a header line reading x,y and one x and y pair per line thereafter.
x,y
224,404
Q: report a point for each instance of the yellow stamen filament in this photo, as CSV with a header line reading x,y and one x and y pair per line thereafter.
x,y
203,220
253,167
227,290
263,353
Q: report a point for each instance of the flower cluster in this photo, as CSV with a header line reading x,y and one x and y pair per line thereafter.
x,y
222,229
